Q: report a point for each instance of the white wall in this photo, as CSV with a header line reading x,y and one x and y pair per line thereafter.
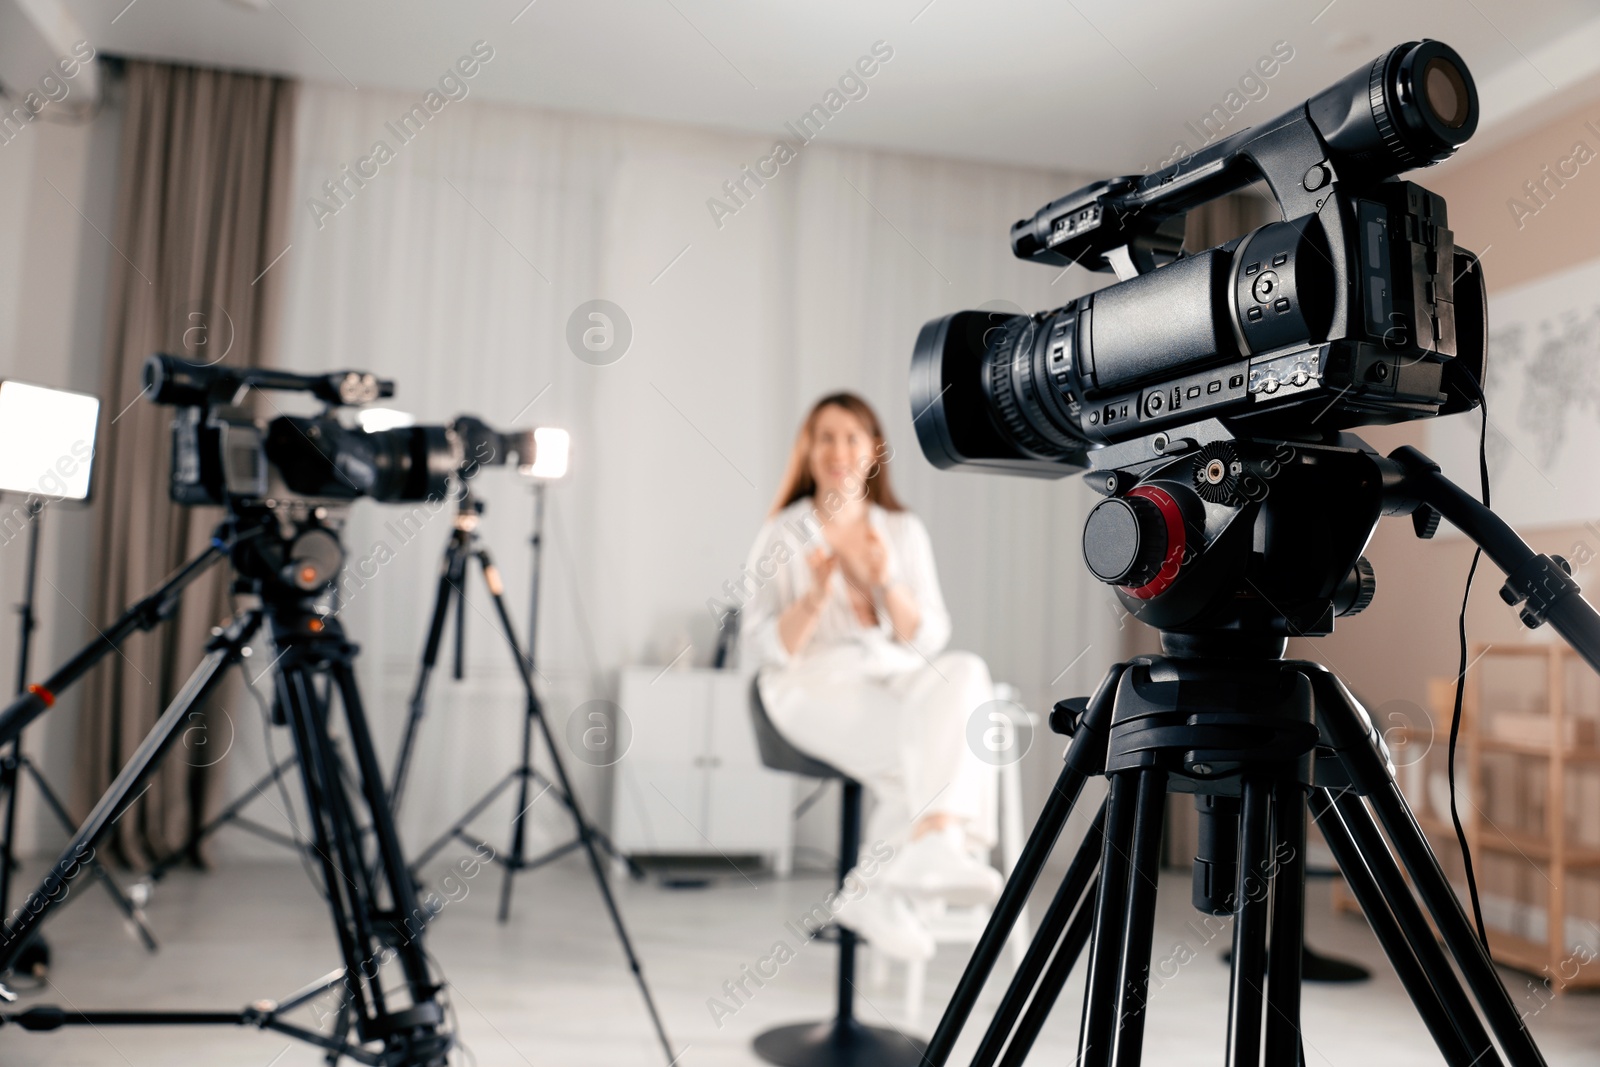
x,y
56,190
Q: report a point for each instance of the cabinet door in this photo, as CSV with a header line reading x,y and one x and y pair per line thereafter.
x,y
660,800
747,804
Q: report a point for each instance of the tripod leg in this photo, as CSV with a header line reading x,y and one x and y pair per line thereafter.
x,y
392,865
1407,940
10,764
1459,936
536,712
458,828
1069,897
519,824
336,850
1248,985
451,575
1288,922
341,1031
1349,727
1133,978
604,843
1085,756
1101,1001
96,868
1054,980
223,650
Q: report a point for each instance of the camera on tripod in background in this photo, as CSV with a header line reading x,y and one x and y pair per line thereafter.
x,y
1356,309
290,475
222,454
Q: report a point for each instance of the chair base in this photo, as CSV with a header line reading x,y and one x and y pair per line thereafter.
x,y
838,1044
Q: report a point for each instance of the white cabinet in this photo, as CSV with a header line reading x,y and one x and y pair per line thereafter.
x,y
691,782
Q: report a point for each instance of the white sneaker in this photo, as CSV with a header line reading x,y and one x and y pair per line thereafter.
x,y
936,866
885,919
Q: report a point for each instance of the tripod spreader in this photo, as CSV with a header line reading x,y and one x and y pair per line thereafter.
x,y
1543,584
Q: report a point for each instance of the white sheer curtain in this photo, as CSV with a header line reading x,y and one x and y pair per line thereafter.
x,y
454,271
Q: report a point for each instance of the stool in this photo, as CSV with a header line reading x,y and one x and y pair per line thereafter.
x,y
842,1041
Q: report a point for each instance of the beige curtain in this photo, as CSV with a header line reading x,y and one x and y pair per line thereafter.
x,y
203,189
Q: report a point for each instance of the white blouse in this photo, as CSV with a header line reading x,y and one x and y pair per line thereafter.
x,y
778,572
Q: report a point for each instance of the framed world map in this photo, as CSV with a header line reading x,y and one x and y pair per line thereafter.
x,y
1544,405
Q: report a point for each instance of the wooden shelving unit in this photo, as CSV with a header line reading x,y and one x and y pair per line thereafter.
x,y
1530,806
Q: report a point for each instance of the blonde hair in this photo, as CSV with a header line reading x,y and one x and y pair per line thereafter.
x,y
798,481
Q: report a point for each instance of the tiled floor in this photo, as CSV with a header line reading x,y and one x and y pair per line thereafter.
x,y
551,988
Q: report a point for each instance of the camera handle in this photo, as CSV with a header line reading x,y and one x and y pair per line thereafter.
x,y
1542,584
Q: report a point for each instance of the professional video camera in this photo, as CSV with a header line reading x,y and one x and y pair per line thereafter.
x,y
221,454
1208,393
1200,381
1356,308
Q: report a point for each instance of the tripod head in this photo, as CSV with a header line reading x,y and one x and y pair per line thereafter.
x,y
1223,535
285,554
1220,533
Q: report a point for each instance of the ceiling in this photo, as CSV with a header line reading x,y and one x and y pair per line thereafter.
x,y
1085,85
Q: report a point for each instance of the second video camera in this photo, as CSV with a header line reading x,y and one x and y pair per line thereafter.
x,y
221,454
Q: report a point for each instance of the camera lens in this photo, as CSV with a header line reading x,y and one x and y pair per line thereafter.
x,y
986,391
1433,102
1446,92
1022,355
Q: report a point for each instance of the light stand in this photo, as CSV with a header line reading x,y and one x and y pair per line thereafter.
x,y
465,545
16,763
36,452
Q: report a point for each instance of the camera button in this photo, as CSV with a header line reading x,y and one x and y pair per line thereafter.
x,y
1280,259
1282,304
1254,314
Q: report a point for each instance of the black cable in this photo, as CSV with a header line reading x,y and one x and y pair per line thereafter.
x,y
1461,674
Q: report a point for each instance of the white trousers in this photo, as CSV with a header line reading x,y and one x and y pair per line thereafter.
x,y
903,735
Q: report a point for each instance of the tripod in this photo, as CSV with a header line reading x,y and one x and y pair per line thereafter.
x,y
15,764
1261,741
465,546
284,563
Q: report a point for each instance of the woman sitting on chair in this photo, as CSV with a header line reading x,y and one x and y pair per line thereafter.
x,y
848,633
